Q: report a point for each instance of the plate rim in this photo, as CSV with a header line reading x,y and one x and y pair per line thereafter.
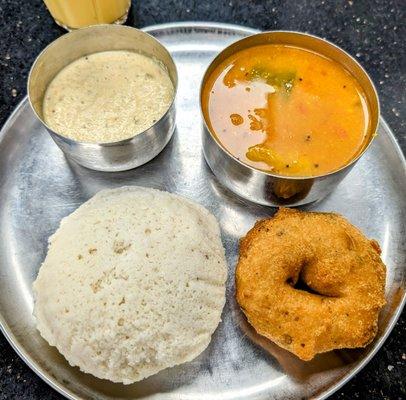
x,y
52,382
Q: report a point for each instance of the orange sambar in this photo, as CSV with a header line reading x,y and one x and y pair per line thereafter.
x,y
286,110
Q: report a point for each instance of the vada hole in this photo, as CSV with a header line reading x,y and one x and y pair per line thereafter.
x,y
302,285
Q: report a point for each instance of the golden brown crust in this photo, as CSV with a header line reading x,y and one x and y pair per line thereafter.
x,y
342,269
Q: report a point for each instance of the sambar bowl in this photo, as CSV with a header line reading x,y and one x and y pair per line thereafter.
x,y
270,189
111,156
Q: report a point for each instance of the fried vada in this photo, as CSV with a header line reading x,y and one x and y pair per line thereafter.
x,y
310,282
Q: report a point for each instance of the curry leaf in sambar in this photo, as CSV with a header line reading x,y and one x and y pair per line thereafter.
x,y
283,80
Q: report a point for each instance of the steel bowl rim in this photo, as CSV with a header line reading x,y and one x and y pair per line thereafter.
x,y
102,144
348,165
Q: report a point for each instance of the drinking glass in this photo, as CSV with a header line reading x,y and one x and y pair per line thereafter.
x,y
74,14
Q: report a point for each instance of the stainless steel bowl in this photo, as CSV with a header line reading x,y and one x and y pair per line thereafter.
x,y
115,156
276,190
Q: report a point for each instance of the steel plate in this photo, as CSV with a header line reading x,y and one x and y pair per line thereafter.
x,y
38,187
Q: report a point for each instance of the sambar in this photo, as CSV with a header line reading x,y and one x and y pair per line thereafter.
x,y
286,110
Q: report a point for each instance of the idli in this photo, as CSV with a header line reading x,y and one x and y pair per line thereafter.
x,y
133,283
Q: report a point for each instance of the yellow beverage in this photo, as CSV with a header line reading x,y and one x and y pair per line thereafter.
x,y
73,14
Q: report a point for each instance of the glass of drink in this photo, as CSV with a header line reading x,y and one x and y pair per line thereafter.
x,y
74,14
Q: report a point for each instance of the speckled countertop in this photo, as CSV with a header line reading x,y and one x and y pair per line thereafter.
x,y
372,31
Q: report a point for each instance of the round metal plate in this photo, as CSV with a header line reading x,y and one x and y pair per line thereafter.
x,y
38,187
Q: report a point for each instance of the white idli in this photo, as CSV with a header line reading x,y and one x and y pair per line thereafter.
x,y
133,283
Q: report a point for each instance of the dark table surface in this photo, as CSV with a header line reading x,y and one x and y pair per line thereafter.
x,y
373,31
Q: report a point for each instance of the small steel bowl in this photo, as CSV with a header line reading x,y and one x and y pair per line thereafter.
x,y
115,156
271,189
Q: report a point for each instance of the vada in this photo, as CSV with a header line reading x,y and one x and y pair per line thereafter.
x,y
310,282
